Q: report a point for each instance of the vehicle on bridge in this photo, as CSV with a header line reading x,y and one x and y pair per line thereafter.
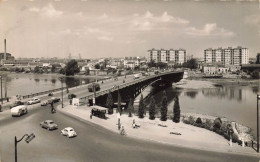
x,y
92,86
49,125
136,76
69,132
16,103
33,101
19,110
71,96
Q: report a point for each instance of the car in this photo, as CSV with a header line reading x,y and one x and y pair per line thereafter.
x,y
19,110
92,86
16,103
33,101
44,103
71,96
69,132
49,124
54,100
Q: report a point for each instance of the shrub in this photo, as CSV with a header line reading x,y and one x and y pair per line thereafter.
x,y
191,120
235,138
199,121
208,124
217,123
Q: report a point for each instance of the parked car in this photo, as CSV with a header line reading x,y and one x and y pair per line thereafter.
x,y
54,100
16,103
49,124
91,87
50,94
33,101
44,103
69,132
19,110
71,96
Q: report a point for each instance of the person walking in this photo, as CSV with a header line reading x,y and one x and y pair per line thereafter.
x,y
52,108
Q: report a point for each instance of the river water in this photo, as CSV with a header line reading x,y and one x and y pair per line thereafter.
x,y
236,103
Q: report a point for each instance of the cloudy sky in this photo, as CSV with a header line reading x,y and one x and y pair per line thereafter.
x,y
116,28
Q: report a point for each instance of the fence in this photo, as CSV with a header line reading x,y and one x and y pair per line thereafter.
x,y
42,93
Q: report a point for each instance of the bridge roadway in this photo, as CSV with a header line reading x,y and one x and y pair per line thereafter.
x,y
93,143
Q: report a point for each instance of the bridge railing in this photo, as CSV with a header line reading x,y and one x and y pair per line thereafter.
x,y
42,93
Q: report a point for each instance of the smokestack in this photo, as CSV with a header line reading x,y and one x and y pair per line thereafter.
x,y
5,51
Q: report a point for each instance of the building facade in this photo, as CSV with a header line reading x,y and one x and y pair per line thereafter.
x,y
227,56
166,56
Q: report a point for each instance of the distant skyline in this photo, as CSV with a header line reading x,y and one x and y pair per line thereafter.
x,y
118,28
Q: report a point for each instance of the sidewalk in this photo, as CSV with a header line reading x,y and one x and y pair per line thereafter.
x,y
191,137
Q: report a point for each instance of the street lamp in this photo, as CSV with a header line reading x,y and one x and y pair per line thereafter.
x,y
257,114
27,140
94,90
61,80
1,88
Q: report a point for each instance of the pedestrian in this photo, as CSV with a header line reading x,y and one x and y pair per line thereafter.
x,y
122,132
119,126
52,108
0,108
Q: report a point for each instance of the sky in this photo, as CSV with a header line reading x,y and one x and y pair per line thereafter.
x,y
123,28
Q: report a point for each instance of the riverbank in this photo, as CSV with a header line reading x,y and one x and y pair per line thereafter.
x,y
168,132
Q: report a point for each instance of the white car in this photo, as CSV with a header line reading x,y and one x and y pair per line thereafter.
x,y
19,110
33,101
69,132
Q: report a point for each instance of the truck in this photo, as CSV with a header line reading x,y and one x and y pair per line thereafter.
x,y
92,86
136,76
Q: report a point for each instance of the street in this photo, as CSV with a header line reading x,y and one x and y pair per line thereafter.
x,y
93,143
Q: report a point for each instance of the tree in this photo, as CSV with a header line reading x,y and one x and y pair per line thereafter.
x,y
141,107
71,67
176,110
164,108
192,64
62,71
53,68
161,65
152,109
87,71
97,66
36,69
119,102
109,103
130,107
151,64
255,74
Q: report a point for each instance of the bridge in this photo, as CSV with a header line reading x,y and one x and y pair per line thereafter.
x,y
134,88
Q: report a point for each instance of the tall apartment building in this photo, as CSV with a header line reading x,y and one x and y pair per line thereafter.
x,y
227,56
166,56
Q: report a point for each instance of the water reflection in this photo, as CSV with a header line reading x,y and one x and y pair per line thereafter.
x,y
191,94
255,89
53,81
224,92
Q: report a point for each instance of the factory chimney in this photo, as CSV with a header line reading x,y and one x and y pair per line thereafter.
x,y
5,50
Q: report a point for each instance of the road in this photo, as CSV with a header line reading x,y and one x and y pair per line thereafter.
x,y
93,143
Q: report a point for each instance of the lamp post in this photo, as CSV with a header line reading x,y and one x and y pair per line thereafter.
x,y
1,88
94,90
257,114
27,140
61,80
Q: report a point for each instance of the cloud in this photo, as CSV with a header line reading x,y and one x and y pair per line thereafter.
x,y
104,16
208,30
105,38
149,22
47,11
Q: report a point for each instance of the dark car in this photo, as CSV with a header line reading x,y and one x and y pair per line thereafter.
x,y
16,103
92,86
71,96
